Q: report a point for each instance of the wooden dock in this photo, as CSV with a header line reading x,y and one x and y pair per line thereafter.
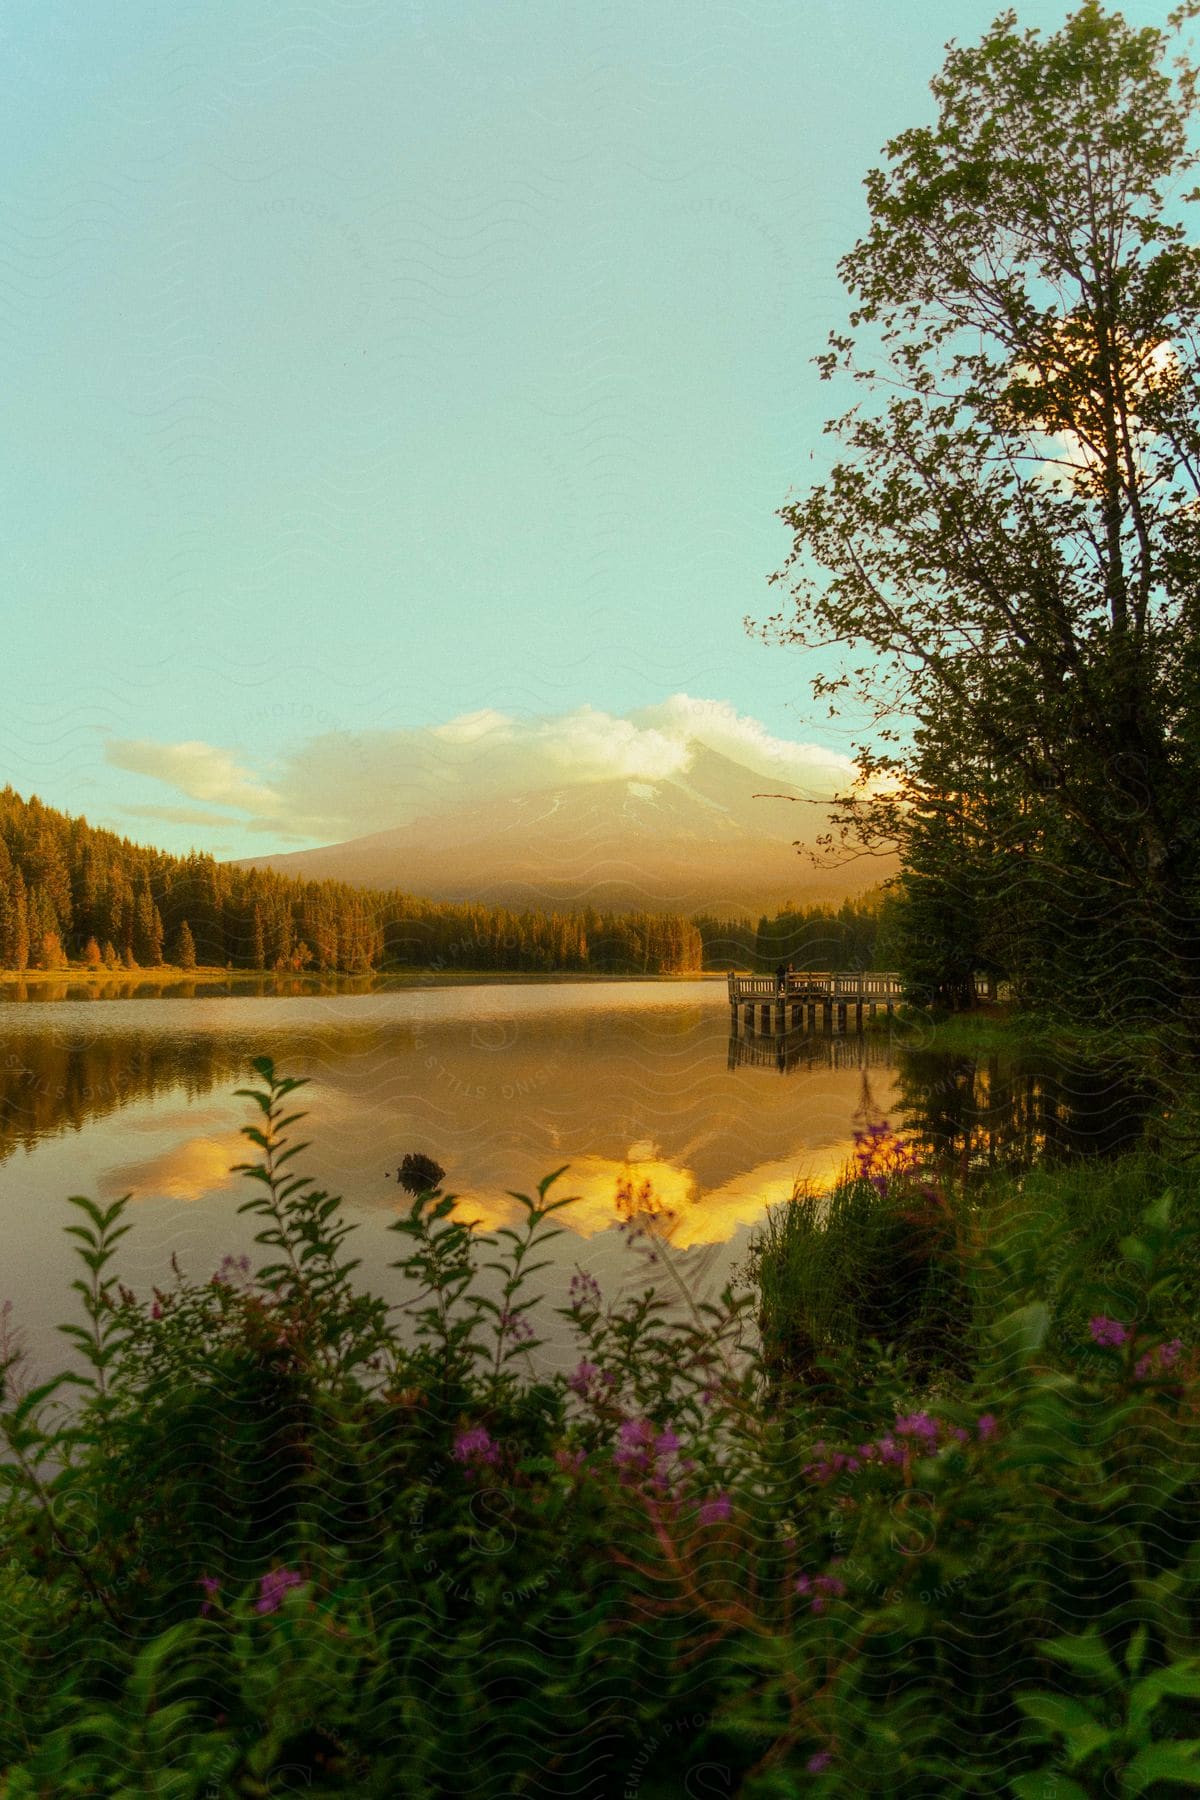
x,y
761,1004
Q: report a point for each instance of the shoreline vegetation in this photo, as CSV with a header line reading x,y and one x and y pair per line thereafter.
x,y
271,1533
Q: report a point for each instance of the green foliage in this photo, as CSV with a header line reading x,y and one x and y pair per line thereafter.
x,y
268,1534
1119,1728
859,1266
62,878
1006,547
810,937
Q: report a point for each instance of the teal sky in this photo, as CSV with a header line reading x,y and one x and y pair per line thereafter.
x,y
367,365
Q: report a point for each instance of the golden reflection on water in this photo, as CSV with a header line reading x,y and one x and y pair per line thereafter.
x,y
628,1101
186,1171
663,1123
665,1196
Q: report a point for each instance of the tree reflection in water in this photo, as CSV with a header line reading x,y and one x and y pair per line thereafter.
x,y
995,1109
53,1082
1010,1109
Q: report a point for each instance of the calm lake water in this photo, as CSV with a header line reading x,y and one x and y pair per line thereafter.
x,y
636,1086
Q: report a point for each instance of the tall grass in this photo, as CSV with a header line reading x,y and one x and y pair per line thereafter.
x,y
876,1261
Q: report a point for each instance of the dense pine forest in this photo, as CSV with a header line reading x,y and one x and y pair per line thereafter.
x,y
71,892
855,935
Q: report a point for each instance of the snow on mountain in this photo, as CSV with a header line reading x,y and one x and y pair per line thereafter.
x,y
697,840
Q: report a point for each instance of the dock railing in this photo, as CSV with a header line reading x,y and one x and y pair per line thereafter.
x,y
818,984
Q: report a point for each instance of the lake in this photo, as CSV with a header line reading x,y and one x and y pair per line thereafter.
x,y
637,1086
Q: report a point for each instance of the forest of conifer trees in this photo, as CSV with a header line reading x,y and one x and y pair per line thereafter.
x,y
854,935
71,892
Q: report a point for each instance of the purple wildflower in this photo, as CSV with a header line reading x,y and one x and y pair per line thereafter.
x,y
232,1267
475,1445
635,1438
156,1310
917,1425
879,1155
985,1425
640,1449
816,1765
582,1377
1163,1356
272,1588
716,1510
584,1293
1110,1334
818,1590
212,1588
837,1464
516,1325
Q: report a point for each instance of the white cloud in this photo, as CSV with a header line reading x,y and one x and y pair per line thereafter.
x,y
194,768
348,784
716,724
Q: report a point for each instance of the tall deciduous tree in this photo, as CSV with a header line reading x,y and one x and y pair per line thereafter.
x,y
1008,552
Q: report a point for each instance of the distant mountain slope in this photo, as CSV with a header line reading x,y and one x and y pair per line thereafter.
x,y
688,842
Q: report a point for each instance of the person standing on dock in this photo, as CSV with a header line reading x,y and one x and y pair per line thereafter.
x,y
780,978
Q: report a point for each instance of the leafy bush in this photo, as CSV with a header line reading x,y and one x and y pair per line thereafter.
x,y
271,1538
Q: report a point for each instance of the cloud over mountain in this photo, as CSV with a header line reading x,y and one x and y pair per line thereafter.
x,y
340,785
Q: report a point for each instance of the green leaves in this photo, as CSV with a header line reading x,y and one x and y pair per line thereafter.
x,y
1086,1655
1005,549
1008,1577
1020,1336
1109,1733
102,1340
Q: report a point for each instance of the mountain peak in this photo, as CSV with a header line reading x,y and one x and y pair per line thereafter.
x,y
695,840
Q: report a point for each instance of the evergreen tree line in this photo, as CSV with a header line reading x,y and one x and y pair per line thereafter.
x,y
854,935
70,891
